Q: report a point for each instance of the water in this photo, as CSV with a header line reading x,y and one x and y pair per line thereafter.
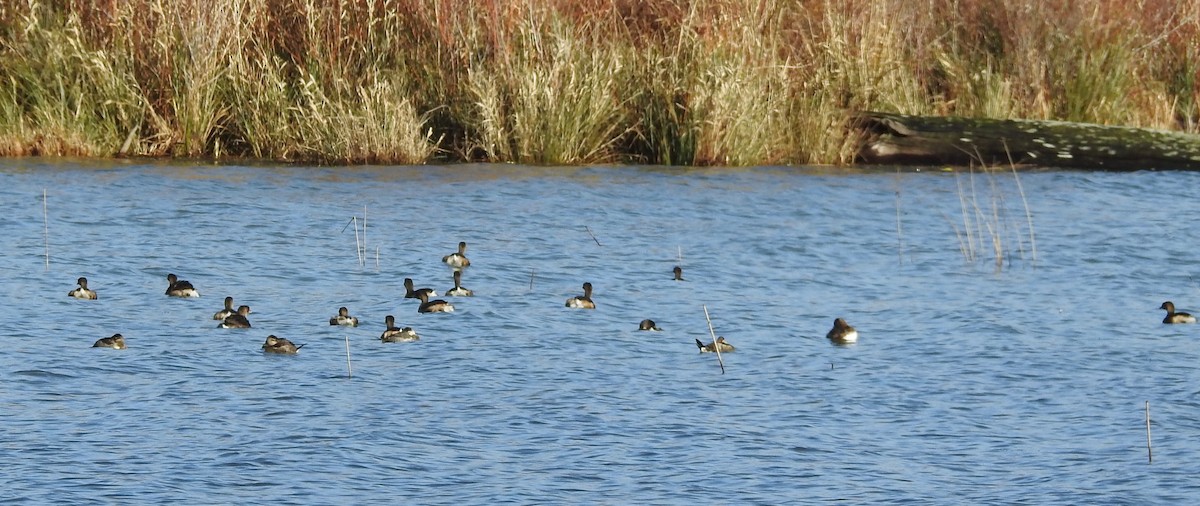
x,y
968,384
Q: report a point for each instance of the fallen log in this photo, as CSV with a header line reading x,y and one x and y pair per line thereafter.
x,y
934,140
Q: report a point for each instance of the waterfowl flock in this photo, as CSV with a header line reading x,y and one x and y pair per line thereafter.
x,y
842,332
239,318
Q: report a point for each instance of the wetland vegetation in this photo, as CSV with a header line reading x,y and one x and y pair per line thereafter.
x,y
702,82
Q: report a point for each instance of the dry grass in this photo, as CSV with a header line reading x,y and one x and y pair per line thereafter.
x,y
728,82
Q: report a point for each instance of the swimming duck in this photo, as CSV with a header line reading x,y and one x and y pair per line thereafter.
x,y
458,261
434,306
410,293
458,290
343,318
222,314
718,345
583,301
179,288
280,345
116,342
648,324
1173,317
842,332
678,273
395,334
82,292
237,320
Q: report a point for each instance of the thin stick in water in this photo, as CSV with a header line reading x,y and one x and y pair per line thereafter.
x,y
899,226
713,333
349,370
531,271
589,231
358,244
46,227
1149,451
364,244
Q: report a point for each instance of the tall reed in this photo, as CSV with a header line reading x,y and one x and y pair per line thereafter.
x,y
705,82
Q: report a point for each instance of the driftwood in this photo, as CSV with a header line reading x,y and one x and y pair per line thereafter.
x,y
901,139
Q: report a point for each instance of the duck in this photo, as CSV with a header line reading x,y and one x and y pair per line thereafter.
x,y
718,345
82,292
116,342
410,293
1173,317
280,345
458,261
237,320
224,313
395,334
648,324
179,288
678,273
842,332
458,290
434,306
583,301
343,318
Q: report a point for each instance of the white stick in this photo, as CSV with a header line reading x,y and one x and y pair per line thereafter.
x,y
1149,451
716,347
349,370
358,244
46,227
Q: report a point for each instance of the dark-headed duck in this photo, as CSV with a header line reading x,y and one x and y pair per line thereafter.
x,y
434,306
842,332
82,292
224,313
1173,317
179,288
237,320
458,261
280,345
648,324
583,301
718,345
343,318
394,334
410,293
116,342
458,290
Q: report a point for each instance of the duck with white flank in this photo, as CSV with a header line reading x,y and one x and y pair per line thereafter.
x,y
116,342
583,301
179,288
394,334
82,292
1173,317
343,318
842,332
458,261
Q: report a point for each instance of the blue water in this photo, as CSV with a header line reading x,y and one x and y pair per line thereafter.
x,y
971,383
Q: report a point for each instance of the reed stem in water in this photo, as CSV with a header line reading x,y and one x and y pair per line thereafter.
x,y
349,370
1149,450
716,347
46,227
